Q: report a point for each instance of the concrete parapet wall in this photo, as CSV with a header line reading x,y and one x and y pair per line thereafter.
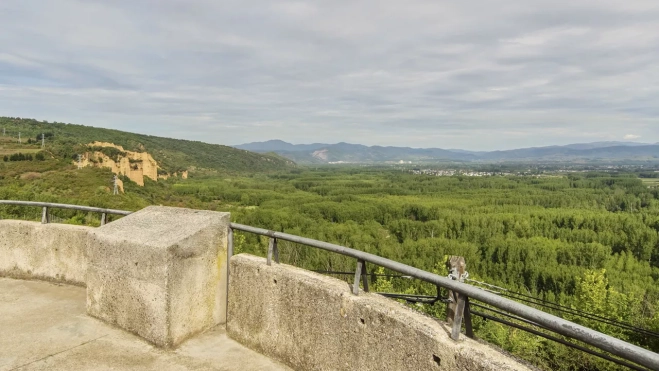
x,y
160,273
313,322
54,252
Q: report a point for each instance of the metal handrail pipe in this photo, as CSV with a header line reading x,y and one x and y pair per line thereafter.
x,y
65,206
556,324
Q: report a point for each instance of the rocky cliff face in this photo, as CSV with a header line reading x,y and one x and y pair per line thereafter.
x,y
134,165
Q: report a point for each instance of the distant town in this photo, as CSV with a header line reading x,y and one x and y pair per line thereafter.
x,y
536,171
452,172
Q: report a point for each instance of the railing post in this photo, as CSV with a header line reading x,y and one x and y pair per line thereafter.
x,y
104,217
469,330
230,244
229,255
457,320
365,275
273,250
358,274
457,302
44,215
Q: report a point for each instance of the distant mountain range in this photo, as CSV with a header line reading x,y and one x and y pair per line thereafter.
x,y
357,153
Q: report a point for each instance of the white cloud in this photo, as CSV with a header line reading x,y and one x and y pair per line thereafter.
x,y
425,73
631,136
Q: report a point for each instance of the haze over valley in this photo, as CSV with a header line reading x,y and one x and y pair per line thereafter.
x,y
596,152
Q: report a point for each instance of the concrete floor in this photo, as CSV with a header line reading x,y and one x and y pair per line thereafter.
x,y
43,326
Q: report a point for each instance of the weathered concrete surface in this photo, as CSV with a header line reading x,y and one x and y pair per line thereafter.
x,y
313,322
43,326
55,252
160,273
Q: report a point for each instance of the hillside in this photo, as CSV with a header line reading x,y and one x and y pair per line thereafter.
x,y
172,155
357,153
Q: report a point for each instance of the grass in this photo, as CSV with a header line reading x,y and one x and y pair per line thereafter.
x,y
651,182
10,145
11,151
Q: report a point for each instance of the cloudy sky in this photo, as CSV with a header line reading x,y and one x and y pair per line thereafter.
x,y
469,74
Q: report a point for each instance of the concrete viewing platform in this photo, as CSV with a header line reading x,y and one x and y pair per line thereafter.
x,y
160,290
44,326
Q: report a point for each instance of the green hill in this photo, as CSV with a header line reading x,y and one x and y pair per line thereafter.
x,y
172,155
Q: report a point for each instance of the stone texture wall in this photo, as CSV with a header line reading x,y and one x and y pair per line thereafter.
x,y
54,252
313,322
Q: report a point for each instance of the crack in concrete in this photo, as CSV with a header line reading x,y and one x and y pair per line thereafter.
x,y
58,353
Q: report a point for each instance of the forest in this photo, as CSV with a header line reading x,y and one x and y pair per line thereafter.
x,y
585,241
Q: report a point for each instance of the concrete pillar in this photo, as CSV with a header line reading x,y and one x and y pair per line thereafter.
x,y
160,273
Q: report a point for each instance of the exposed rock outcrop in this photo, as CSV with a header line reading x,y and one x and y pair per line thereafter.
x,y
134,165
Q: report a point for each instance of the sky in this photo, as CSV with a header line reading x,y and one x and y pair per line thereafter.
x,y
476,75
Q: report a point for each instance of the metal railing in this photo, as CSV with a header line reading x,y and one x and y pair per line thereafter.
x,y
45,219
545,320
464,291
